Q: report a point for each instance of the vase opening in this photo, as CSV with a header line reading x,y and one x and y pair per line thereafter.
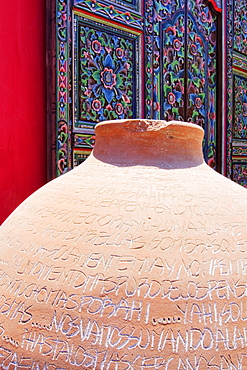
x,y
132,142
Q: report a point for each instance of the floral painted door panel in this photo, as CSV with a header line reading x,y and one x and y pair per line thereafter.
x,y
105,76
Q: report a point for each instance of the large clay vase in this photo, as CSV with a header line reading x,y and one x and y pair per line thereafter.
x,y
134,260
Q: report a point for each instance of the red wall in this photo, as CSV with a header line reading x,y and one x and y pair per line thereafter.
x,y
22,101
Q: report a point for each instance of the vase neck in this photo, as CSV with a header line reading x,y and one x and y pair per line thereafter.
x,y
171,144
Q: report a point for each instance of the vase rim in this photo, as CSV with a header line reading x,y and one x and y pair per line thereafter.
x,y
144,125
149,142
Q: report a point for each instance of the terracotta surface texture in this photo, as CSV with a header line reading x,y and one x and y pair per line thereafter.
x,y
136,259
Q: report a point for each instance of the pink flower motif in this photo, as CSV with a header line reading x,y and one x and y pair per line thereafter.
x,y
96,105
177,44
119,53
203,17
193,49
171,29
96,46
198,103
119,108
171,98
108,78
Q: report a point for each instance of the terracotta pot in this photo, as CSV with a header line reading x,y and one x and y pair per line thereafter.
x,y
136,259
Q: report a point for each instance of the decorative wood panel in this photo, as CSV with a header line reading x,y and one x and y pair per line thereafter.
x,y
240,26
106,73
240,108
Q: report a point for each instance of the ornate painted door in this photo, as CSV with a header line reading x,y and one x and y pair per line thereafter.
x,y
124,58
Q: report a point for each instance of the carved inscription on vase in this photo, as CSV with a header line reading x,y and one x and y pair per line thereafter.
x,y
127,280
